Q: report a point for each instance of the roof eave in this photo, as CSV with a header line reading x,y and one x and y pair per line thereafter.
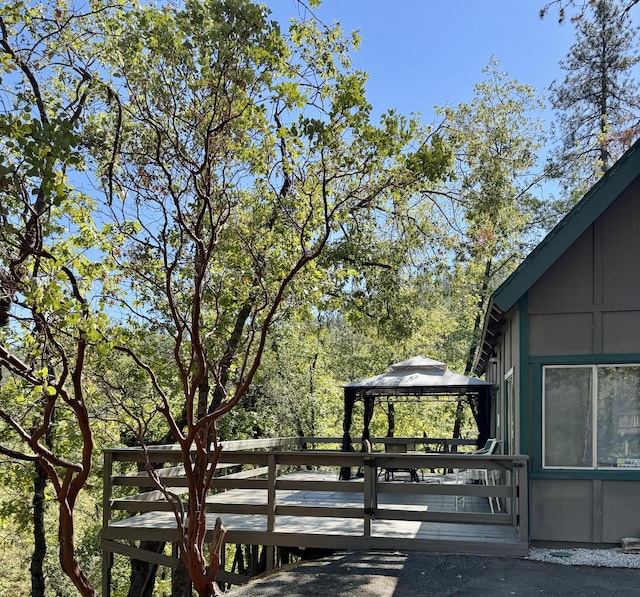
x,y
493,322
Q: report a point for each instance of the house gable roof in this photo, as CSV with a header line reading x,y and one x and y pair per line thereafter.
x,y
563,235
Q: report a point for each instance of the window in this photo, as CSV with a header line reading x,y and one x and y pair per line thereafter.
x,y
591,416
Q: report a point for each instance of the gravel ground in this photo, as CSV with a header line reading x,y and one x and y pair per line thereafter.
x,y
609,558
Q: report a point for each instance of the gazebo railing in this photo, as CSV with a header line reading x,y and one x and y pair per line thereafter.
x,y
419,444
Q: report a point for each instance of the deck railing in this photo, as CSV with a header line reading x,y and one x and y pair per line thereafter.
x,y
263,469
425,444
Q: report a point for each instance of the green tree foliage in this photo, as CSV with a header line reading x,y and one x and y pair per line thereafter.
x,y
597,102
467,238
494,208
296,391
497,212
381,264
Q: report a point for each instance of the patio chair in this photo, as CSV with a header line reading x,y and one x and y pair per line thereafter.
x,y
367,449
480,475
401,448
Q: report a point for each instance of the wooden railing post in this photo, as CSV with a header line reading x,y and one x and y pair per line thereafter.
x,y
107,487
271,493
523,501
107,556
271,507
369,491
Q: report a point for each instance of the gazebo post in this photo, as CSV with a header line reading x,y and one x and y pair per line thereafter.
x,y
347,445
484,415
369,403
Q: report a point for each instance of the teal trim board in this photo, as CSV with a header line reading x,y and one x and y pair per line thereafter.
x,y
524,386
536,423
587,359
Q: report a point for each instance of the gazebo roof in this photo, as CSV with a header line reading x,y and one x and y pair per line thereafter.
x,y
418,376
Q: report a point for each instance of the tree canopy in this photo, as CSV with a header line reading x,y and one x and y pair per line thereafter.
x,y
204,232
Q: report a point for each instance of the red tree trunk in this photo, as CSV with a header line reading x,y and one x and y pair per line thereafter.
x,y
67,553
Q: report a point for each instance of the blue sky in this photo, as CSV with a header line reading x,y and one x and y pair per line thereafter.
x,y
422,53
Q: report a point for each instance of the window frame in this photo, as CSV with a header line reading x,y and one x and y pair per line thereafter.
x,y
594,367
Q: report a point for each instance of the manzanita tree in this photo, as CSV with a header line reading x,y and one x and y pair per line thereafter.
x,y
48,322
237,154
230,155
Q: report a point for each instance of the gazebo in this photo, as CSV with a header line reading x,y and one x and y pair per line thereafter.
x,y
419,378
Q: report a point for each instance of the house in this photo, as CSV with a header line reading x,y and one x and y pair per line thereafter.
x,y
561,341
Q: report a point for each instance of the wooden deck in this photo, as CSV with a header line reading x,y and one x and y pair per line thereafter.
x,y
335,530
268,500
